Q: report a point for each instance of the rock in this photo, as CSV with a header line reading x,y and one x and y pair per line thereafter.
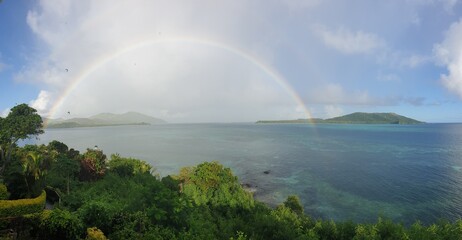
x,y
249,188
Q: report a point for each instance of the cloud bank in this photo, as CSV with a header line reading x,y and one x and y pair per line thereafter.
x,y
176,60
350,42
236,60
449,54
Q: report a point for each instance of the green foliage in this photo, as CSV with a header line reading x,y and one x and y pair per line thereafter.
x,y
293,203
239,236
203,202
34,167
109,203
373,118
57,146
63,172
286,223
94,233
25,175
366,232
210,183
60,224
387,229
354,118
92,165
4,194
127,167
171,183
98,214
15,182
22,122
13,208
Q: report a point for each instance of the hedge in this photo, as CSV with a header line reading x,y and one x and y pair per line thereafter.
x,y
14,208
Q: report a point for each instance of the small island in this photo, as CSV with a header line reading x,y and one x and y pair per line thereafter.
x,y
104,119
354,118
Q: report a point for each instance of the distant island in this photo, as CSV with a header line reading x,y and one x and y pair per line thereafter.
x,y
104,119
355,118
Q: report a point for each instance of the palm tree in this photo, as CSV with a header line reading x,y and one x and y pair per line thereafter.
x,y
34,169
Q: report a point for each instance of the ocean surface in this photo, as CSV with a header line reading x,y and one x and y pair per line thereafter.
x,y
340,172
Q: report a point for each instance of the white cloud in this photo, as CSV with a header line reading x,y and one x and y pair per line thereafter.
x,y
414,61
335,94
41,103
449,54
5,112
205,62
332,111
448,5
350,42
390,77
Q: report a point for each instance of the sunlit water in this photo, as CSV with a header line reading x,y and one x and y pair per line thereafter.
x,y
340,172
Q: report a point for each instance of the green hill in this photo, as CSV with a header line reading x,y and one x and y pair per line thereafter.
x,y
355,118
105,119
373,118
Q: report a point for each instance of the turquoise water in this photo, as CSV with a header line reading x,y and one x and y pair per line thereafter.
x,y
340,172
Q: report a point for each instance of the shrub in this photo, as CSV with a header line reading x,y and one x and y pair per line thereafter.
x,y
3,192
60,224
127,167
98,214
211,183
95,234
92,165
13,208
293,202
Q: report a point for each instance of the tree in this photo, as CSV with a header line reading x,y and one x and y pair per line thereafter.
x,y
57,146
21,123
127,167
293,202
34,169
92,165
68,168
211,183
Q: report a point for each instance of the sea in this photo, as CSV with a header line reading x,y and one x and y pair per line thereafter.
x,y
340,172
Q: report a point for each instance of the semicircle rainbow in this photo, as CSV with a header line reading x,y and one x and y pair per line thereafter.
x,y
104,59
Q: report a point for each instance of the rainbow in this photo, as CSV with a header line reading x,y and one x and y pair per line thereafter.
x,y
104,59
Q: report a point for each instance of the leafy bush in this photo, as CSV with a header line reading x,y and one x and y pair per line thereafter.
x,y
4,194
210,183
293,202
60,224
98,214
57,146
13,208
127,167
95,234
92,165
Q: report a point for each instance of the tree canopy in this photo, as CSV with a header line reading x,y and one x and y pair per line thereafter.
x,y
21,123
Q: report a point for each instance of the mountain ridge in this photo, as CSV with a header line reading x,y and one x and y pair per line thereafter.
x,y
104,119
355,118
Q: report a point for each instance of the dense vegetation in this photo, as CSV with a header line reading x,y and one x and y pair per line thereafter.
x,y
373,118
96,197
356,118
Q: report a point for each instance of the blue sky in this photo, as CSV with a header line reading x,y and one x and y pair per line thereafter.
x,y
231,61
